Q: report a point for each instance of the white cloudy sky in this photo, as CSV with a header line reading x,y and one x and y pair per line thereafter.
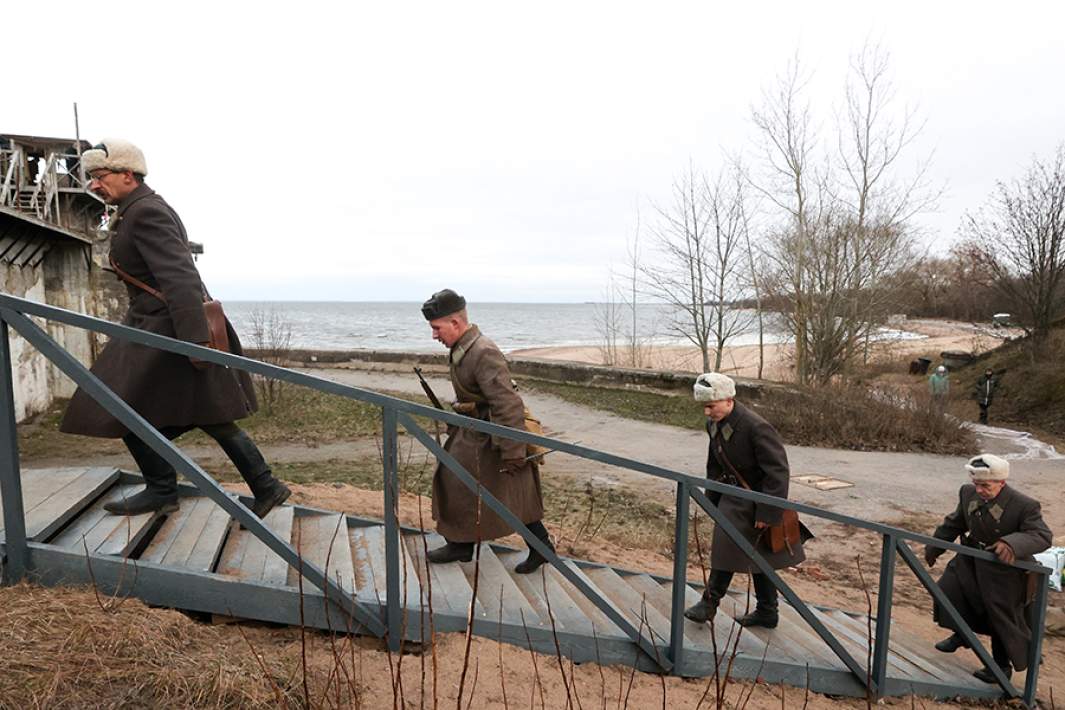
x,y
383,150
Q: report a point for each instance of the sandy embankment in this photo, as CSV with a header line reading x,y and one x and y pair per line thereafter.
x,y
938,335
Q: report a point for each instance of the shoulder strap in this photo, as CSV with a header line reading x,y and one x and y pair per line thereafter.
x,y
135,281
729,466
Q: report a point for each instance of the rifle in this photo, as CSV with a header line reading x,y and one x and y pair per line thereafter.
x,y
428,390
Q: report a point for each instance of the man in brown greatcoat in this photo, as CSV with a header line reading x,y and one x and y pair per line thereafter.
x,y
743,443
485,390
174,393
990,597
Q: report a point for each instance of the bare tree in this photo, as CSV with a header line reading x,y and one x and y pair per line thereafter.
x,y
272,338
844,229
1020,237
622,341
701,269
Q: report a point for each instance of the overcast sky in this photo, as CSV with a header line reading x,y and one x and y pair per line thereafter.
x,y
384,150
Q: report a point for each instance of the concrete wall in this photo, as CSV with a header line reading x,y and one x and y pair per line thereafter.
x,y
553,370
61,279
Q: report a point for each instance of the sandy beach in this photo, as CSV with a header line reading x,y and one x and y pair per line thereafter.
x,y
936,336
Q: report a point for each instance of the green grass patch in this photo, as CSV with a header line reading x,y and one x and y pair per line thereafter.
x,y
674,410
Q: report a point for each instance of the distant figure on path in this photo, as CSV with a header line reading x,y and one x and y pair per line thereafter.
x,y
939,387
990,597
174,393
484,390
742,444
984,392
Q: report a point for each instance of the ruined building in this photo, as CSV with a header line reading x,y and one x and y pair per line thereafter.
x,y
52,251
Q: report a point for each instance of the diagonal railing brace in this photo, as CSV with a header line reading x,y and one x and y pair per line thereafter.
x,y
181,462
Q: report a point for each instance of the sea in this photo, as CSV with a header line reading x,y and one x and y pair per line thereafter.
x,y
400,326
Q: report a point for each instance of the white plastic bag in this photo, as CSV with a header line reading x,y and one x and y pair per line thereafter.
x,y
1054,558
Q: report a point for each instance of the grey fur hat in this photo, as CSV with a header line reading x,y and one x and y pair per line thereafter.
x,y
713,386
115,154
988,467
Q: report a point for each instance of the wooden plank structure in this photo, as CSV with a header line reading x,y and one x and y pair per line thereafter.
x,y
184,558
353,575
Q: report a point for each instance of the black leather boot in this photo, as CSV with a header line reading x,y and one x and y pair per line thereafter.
x,y
702,611
706,608
987,676
269,496
147,501
951,644
451,552
535,559
765,612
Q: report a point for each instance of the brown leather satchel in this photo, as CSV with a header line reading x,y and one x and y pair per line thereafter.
x,y
212,310
778,537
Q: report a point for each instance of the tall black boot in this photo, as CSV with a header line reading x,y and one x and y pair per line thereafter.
x,y
451,552
535,559
1001,658
716,588
269,492
765,612
160,482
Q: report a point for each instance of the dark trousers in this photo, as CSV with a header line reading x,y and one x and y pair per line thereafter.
x,y
161,478
765,593
983,411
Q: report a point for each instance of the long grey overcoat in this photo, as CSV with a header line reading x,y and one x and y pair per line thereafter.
x,y
754,448
992,597
480,370
151,245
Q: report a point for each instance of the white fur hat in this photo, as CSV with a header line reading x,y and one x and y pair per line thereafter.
x,y
114,154
713,386
988,467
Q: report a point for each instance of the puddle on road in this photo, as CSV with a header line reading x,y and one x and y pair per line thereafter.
x,y
1029,447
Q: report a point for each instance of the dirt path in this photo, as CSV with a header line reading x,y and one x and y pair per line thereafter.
x,y
888,487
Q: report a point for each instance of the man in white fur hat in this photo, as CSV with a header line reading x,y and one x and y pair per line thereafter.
x,y
150,252
990,597
742,445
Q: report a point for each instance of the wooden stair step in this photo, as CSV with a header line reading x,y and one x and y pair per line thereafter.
x,y
791,640
546,595
101,532
53,497
728,635
371,578
645,587
191,538
497,591
859,642
249,559
450,589
323,541
604,627
636,606
917,652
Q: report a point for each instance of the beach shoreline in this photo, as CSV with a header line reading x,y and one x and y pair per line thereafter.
x,y
743,360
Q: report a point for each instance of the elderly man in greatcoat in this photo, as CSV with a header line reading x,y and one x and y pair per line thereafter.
x,y
990,597
484,390
745,450
150,252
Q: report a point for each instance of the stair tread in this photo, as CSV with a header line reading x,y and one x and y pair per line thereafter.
x,y
451,589
50,498
728,634
100,532
546,595
604,627
246,557
323,541
497,591
368,552
187,537
792,639
636,606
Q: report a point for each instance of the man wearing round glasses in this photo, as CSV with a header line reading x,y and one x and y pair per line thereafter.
x,y
150,253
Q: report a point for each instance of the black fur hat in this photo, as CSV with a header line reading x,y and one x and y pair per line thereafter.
x,y
443,303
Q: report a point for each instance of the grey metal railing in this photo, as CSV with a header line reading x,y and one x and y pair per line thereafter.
x,y
397,412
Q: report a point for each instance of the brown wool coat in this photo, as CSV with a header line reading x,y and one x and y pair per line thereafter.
x,y
150,244
754,448
992,597
481,370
